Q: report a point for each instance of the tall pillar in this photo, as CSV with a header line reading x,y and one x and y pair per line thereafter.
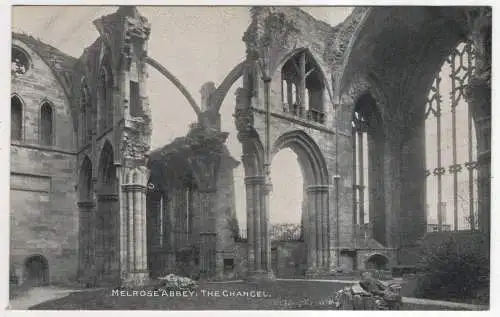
x,y
392,177
478,95
259,246
479,98
87,241
317,231
135,193
108,235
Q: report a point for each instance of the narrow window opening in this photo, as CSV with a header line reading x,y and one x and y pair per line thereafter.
x,y
46,125
16,116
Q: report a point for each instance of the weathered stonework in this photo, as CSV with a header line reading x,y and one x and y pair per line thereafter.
x,y
104,227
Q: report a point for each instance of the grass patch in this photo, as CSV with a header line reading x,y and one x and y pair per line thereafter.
x,y
280,295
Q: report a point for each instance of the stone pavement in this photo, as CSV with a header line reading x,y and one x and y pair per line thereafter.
x,y
38,295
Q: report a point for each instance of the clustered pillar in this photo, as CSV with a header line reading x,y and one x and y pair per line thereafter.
x,y
317,230
135,209
259,245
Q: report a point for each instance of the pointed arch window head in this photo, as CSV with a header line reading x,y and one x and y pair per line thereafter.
x,y
20,62
303,87
451,146
16,117
368,171
86,115
46,124
105,94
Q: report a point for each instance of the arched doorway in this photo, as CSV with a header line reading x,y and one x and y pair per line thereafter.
x,y
376,262
287,206
315,215
36,269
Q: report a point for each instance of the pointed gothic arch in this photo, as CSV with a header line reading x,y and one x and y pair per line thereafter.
x,y
303,85
86,113
46,125
105,95
309,154
16,117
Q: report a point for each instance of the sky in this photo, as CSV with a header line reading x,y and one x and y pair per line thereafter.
x,y
200,44
197,45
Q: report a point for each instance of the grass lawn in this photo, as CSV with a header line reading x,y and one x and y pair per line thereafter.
x,y
278,295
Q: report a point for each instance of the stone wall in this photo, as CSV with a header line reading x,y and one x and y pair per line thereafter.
x,y
289,258
44,216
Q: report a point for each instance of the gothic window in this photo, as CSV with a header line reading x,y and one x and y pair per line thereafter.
x,y
16,117
46,124
20,63
104,100
86,115
184,220
368,157
451,147
303,87
360,195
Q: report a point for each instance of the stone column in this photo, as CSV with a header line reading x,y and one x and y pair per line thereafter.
x,y
317,230
153,223
478,94
108,235
259,250
135,193
392,190
170,232
87,241
412,221
479,98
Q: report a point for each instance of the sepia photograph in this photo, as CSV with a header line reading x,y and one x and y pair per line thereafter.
x,y
249,158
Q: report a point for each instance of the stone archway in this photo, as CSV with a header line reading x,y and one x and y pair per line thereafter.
x,y
376,262
420,40
36,269
317,223
107,219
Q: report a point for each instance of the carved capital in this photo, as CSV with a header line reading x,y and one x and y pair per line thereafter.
x,y
255,180
134,188
244,119
107,197
88,205
317,188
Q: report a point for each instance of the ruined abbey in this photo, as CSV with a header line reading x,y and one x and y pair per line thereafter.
x,y
93,203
